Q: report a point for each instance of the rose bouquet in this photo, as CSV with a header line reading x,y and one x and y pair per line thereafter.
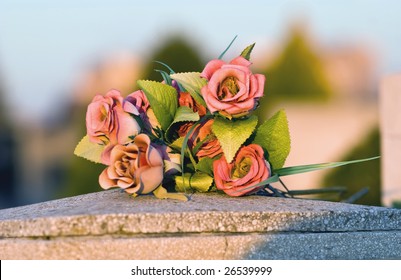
x,y
191,132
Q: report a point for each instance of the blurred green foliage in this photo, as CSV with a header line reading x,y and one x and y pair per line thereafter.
x,y
8,155
4,122
81,174
82,177
296,74
176,52
357,176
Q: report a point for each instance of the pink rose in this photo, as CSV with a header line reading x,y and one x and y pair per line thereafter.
x,y
137,168
139,100
108,119
232,90
248,169
210,146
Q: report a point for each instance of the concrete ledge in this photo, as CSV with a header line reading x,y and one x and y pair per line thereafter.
x,y
111,225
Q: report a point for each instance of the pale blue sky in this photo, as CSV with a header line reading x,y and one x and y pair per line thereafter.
x,y
45,44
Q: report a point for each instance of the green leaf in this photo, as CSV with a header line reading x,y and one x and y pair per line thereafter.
x,y
246,53
88,150
200,182
163,100
183,114
177,144
314,167
274,136
192,82
205,165
182,182
233,133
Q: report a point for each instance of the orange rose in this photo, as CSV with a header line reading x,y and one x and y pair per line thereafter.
x,y
185,99
248,169
203,136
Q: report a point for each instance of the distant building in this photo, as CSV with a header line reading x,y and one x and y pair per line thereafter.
x,y
351,71
117,72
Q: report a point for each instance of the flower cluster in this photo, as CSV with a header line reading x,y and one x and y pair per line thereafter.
x,y
191,131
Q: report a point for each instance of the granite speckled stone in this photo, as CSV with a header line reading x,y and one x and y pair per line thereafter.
x,y
340,245
112,225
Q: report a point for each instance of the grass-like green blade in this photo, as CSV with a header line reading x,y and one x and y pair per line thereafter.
x,y
314,167
185,145
165,76
318,191
185,141
224,52
165,65
302,169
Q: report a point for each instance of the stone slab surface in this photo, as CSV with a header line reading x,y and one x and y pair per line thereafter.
x,y
112,225
341,245
115,213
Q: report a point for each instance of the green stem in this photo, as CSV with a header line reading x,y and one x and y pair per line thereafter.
x,y
356,196
318,191
191,157
185,142
224,52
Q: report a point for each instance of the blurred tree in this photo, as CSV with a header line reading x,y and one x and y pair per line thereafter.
x,y
3,112
177,53
81,175
357,176
7,158
296,74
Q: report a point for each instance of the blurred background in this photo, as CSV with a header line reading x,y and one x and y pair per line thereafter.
x,y
323,61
